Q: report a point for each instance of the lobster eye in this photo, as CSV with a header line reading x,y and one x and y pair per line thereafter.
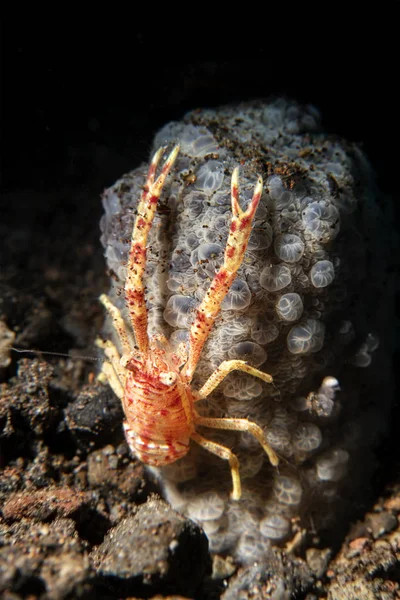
x,y
168,378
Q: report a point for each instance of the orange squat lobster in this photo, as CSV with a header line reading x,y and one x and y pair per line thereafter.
x,y
154,387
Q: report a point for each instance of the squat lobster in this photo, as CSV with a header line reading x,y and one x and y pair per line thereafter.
x,y
155,390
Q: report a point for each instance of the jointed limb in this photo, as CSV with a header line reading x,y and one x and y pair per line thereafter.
x,y
240,425
209,308
110,376
134,287
226,367
226,454
118,322
112,371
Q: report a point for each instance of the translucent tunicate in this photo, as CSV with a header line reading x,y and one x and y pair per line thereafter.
x,y
372,342
216,230
289,247
361,359
179,310
197,142
275,187
329,386
273,116
275,277
238,297
207,257
209,251
322,220
264,331
332,466
289,307
251,548
249,352
115,253
243,388
206,507
180,261
287,490
261,237
323,405
307,437
274,527
211,527
194,204
250,462
111,203
209,177
192,241
322,273
279,439
306,337
233,329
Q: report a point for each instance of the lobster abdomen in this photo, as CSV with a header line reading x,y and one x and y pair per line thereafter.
x,y
159,418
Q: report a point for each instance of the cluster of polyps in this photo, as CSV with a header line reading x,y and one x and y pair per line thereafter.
x,y
152,381
310,283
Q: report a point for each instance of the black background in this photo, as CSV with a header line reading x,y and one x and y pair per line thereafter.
x,y
71,86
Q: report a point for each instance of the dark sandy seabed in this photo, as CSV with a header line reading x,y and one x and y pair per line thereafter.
x,y
79,516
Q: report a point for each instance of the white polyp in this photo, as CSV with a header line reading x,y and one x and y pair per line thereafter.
x,y
179,336
274,187
361,359
209,177
206,507
287,490
282,418
209,252
251,548
324,405
289,307
194,141
275,277
346,328
175,282
211,527
171,492
322,273
179,311
238,297
182,470
122,272
248,351
261,237
329,387
274,527
111,203
306,337
194,204
372,342
307,437
333,465
289,247
322,220
243,387
264,331
250,463
279,439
